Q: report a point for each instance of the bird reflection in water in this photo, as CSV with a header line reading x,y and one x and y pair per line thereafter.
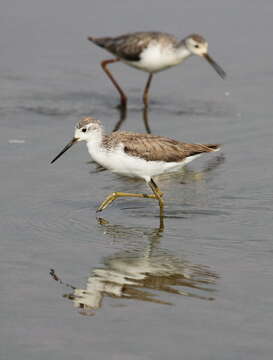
x,y
141,274
123,117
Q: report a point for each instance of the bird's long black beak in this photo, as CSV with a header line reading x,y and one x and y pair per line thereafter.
x,y
214,64
68,146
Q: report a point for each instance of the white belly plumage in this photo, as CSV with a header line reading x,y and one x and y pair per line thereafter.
x,y
157,58
119,162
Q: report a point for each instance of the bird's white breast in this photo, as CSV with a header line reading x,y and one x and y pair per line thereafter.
x,y
117,161
157,57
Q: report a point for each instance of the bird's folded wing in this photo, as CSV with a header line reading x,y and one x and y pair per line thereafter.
x,y
157,148
130,46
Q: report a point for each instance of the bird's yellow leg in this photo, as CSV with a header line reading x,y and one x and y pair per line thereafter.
x,y
158,195
155,188
159,192
116,195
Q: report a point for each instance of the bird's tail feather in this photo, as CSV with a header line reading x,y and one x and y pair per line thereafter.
x,y
99,41
212,147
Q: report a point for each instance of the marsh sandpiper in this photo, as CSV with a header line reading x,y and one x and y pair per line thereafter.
x,y
135,155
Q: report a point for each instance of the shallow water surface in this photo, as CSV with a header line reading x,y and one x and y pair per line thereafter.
x,y
77,286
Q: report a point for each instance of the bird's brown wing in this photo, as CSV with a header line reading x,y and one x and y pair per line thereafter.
x,y
130,46
157,148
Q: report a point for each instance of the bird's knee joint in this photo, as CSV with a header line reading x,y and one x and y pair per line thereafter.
x,y
161,202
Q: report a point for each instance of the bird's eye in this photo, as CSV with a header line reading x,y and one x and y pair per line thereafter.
x,y
84,130
196,46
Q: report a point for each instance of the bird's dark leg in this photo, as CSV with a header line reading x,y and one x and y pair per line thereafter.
x,y
123,97
122,118
146,90
146,119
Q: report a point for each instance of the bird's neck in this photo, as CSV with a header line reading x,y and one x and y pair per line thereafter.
x,y
182,51
95,140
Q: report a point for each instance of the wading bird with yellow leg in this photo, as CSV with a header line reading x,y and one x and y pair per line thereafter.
x,y
135,155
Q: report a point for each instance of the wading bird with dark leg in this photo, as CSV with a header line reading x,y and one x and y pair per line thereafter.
x,y
135,155
152,52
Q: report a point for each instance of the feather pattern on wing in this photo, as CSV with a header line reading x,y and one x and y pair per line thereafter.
x,y
130,46
155,148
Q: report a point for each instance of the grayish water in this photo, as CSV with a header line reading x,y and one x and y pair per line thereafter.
x,y
202,288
